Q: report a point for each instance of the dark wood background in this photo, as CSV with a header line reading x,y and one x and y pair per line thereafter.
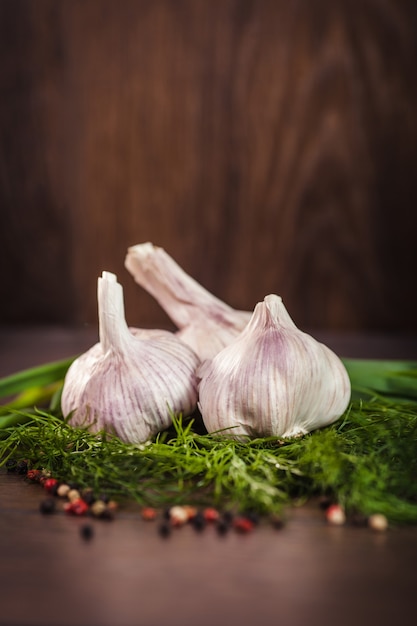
x,y
267,145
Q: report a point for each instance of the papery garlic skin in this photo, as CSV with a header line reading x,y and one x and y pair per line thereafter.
x,y
205,322
132,381
272,380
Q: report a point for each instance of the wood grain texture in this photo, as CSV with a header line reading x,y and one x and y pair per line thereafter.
x,y
268,145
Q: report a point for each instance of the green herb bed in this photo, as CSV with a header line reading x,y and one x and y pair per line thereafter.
x,y
366,461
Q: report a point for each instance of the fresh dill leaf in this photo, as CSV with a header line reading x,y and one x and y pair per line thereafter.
x,y
366,461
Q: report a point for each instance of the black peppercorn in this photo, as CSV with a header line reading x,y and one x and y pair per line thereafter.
x,y
88,496
222,526
22,467
198,521
227,516
86,531
164,529
47,506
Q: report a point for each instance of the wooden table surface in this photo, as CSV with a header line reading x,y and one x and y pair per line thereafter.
x,y
307,573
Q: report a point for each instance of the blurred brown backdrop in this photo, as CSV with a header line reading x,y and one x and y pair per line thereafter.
x,y
267,145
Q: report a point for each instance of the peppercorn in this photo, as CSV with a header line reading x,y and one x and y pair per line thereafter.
x,y
73,494
164,529
98,508
51,485
335,515
378,522
34,475
191,511
222,526
148,513
76,507
243,524
198,522
22,467
211,514
178,515
86,531
62,490
227,516
88,496
101,510
47,506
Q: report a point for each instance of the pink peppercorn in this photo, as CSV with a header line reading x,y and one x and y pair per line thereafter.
x,y
76,507
34,474
243,524
148,513
50,484
211,515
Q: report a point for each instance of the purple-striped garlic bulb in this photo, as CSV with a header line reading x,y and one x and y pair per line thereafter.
x,y
133,381
205,322
272,380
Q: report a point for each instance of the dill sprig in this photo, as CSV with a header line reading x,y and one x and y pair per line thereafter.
x,y
366,461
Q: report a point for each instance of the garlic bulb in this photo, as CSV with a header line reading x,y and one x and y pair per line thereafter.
x,y
129,384
206,323
272,380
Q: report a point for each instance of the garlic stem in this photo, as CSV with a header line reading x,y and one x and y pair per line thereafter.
x,y
206,323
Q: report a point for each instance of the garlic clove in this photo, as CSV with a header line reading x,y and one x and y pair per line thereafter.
x,y
205,322
272,380
131,382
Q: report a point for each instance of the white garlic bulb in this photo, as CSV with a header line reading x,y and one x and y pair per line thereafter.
x,y
206,323
272,380
131,382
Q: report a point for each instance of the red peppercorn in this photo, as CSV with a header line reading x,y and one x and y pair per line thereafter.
x,y
211,515
148,513
76,507
50,485
34,475
243,524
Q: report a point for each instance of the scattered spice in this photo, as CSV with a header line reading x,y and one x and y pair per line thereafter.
x,y
243,524
178,515
22,467
34,475
63,490
86,532
47,506
51,485
222,526
378,522
164,529
148,513
198,521
335,515
76,507
73,494
211,514
98,508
